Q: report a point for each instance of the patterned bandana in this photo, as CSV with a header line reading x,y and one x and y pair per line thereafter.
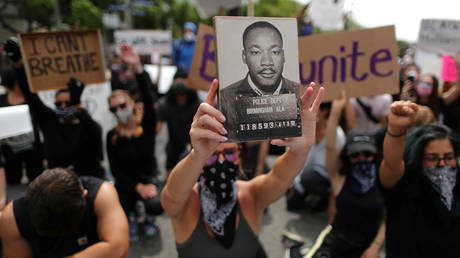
x,y
218,197
443,180
363,176
67,113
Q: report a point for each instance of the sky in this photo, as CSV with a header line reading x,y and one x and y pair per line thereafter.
x,y
406,15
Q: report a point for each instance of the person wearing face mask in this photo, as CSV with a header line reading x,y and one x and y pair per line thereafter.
x,y
358,229
419,173
183,48
25,149
131,145
212,213
72,139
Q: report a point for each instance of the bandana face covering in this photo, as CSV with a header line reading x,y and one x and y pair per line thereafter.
x,y
66,114
443,180
124,115
363,176
218,197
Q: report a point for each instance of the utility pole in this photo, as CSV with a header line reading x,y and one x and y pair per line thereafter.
x,y
128,15
57,14
250,8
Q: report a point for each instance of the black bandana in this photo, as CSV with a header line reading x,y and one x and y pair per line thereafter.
x,y
218,198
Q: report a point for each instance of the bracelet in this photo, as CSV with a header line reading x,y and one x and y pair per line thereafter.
x,y
395,135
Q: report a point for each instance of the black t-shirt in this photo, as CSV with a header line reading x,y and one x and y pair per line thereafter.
x,y
451,115
48,247
132,159
78,145
4,100
418,223
179,120
358,216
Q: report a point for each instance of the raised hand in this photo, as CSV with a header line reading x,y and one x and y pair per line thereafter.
x,y
76,89
207,130
310,109
130,57
339,104
402,115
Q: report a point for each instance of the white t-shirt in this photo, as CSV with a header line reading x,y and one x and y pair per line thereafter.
x,y
380,106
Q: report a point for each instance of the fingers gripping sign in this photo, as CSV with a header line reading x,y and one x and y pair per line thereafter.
x,y
310,107
207,130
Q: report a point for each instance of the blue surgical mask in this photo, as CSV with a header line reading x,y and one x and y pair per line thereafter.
x,y
363,174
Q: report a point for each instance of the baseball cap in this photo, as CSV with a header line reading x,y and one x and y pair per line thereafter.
x,y
360,141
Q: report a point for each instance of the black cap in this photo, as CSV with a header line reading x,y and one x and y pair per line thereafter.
x,y
179,88
360,141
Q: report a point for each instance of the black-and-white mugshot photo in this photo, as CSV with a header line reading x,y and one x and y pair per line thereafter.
x,y
258,72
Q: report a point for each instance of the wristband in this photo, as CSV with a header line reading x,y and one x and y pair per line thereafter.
x,y
395,135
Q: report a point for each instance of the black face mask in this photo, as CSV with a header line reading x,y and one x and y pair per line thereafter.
x,y
66,113
218,197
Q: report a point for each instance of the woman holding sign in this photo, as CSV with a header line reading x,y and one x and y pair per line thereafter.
x,y
212,213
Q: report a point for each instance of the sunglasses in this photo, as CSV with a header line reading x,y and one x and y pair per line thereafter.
x,y
230,155
114,109
366,154
59,103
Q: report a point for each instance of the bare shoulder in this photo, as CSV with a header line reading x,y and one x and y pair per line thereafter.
x,y
106,198
8,226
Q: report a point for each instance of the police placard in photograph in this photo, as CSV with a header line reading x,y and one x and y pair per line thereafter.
x,y
258,72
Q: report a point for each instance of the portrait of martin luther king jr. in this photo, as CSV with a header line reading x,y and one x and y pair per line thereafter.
x,y
263,54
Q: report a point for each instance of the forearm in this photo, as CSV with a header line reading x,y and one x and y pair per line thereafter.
x,y
350,117
2,189
380,237
332,153
262,155
143,80
452,94
102,249
392,167
269,188
180,183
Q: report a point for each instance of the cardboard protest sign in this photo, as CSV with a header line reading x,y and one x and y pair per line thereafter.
x,y
439,36
362,62
258,71
449,69
51,58
145,42
203,68
14,121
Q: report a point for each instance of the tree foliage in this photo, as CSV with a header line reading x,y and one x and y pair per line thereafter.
x,y
85,15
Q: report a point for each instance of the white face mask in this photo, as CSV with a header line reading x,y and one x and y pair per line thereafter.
x,y
189,36
124,115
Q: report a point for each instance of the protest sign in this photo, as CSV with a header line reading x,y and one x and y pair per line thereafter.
x,y
439,36
51,58
207,8
203,69
145,42
166,74
14,121
363,62
327,14
449,69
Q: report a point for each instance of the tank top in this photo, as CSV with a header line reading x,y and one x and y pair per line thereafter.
x,y
201,244
358,216
48,247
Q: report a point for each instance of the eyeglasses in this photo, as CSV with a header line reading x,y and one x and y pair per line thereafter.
x,y
229,155
59,103
114,109
434,158
366,154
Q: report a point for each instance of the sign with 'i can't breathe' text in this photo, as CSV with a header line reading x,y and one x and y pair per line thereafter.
x,y
52,58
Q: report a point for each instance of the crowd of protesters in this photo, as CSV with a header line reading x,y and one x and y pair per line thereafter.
x,y
384,167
